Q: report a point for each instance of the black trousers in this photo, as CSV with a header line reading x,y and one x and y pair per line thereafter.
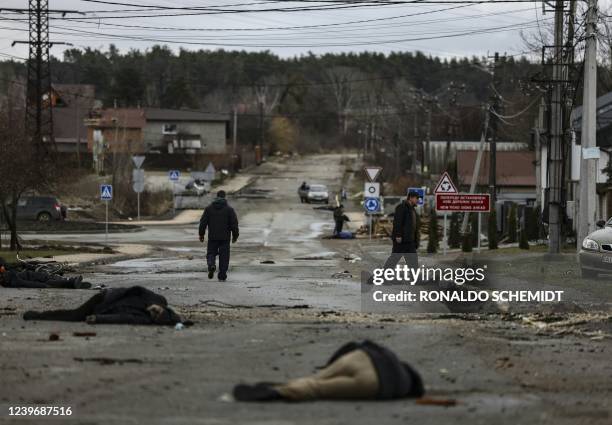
x,y
221,249
29,279
407,250
339,226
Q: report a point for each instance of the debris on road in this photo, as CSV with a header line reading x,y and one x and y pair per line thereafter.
x,y
342,275
428,401
84,334
104,361
54,337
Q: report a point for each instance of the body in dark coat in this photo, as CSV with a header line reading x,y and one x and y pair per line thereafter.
x,y
29,279
131,305
395,378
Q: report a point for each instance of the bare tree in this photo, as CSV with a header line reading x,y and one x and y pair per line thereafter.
x,y
18,172
343,82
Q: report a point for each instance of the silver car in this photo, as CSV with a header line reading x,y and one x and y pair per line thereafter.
x,y
317,193
596,252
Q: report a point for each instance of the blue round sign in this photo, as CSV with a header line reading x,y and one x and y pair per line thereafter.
x,y
372,205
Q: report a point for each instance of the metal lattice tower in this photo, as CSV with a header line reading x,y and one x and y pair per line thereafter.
x,y
39,109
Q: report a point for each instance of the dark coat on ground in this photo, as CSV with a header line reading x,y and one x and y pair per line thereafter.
x,y
221,221
130,304
406,224
114,306
396,379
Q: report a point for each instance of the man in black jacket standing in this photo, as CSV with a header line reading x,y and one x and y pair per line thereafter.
x,y
405,233
222,224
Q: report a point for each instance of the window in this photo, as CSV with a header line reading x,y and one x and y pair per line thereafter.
x,y
169,129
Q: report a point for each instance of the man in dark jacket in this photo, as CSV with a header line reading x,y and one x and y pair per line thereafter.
x,y
134,305
358,370
405,233
339,219
222,224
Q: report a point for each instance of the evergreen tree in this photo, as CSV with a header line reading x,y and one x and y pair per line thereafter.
x,y
523,242
454,237
474,228
433,243
492,229
512,224
466,242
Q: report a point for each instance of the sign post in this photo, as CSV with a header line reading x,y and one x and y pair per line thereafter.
x,y
479,230
371,193
174,176
138,179
106,195
445,185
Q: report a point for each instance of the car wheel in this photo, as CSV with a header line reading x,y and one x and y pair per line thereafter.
x,y
588,274
327,201
44,217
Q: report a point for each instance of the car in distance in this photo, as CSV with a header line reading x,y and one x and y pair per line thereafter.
x,y
318,193
41,208
596,252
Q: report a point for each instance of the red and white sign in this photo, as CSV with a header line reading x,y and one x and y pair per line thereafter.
x,y
445,185
463,202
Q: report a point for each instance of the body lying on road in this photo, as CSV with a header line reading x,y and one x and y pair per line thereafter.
x,y
134,305
10,278
363,370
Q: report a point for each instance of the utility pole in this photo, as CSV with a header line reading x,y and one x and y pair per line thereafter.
x,y
493,141
555,152
39,103
588,167
261,124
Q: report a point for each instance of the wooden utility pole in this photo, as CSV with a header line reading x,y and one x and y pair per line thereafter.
x,y
588,164
555,152
492,140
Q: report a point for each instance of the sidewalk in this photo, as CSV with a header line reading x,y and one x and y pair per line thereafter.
x,y
122,252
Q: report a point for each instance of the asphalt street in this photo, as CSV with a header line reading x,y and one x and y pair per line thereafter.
x,y
291,299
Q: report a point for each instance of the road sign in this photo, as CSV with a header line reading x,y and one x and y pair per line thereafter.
x,y
106,192
445,185
372,205
421,193
138,175
372,172
138,160
463,202
371,190
174,175
138,187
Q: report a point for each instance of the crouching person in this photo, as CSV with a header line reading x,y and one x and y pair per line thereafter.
x,y
356,371
135,305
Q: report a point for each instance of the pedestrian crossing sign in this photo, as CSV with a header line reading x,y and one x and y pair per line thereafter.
x,y
106,192
174,175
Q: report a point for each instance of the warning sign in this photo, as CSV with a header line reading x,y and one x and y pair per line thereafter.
x,y
445,185
463,202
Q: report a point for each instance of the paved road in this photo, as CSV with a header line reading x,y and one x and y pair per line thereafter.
x,y
283,319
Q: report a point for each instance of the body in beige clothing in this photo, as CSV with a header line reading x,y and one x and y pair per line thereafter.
x,y
350,376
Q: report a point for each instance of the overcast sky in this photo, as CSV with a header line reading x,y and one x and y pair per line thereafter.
x,y
485,28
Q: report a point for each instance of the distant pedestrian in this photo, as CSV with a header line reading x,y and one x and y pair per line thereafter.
x,y
343,194
405,234
339,219
222,224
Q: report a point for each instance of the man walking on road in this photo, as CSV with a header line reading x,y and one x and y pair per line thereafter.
x,y
222,224
405,233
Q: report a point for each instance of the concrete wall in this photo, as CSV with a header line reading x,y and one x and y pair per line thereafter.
x,y
212,134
